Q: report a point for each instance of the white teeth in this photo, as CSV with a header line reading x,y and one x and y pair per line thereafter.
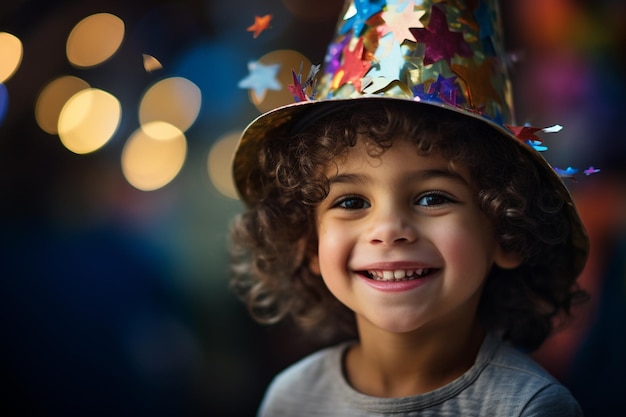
x,y
397,274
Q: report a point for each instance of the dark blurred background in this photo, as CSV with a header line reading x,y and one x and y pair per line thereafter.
x,y
115,300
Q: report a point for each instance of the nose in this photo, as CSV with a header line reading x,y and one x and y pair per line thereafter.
x,y
392,226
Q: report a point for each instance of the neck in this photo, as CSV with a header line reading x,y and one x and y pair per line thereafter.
x,y
398,365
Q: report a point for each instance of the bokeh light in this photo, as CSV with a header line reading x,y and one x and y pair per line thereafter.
x,y
219,164
53,97
289,60
94,40
11,52
174,100
154,155
88,120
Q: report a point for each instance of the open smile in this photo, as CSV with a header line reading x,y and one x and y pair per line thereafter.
x,y
397,274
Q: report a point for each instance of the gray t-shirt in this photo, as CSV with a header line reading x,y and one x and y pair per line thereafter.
x,y
502,382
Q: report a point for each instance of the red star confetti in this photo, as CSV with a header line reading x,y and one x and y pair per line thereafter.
x,y
353,68
527,134
441,42
297,89
261,23
399,23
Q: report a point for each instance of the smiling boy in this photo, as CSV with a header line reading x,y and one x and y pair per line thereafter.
x,y
428,236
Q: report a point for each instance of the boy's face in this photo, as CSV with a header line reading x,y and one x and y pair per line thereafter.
x,y
402,241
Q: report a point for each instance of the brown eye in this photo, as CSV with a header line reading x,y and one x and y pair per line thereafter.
x,y
433,199
352,203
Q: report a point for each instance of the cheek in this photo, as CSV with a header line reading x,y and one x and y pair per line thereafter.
x,y
332,248
469,246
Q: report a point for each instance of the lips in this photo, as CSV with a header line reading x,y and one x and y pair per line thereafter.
x,y
394,275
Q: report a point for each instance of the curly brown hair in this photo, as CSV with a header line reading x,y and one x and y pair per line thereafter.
x,y
273,239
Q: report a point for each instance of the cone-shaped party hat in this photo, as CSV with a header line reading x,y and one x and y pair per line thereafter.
x,y
444,53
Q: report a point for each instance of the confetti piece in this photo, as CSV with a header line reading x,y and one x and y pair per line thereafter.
x,y
364,10
260,24
480,90
591,170
261,78
552,129
445,89
566,173
398,23
527,134
354,67
150,63
296,88
441,42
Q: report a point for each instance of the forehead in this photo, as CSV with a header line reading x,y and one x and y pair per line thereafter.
x,y
400,155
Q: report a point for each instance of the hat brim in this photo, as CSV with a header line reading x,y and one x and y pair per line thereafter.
x,y
260,131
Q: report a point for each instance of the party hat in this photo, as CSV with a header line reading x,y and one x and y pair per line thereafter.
x,y
444,53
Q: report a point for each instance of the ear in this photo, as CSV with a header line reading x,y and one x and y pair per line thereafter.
x,y
506,259
314,264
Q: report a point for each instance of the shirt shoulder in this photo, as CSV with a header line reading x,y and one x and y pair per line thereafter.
x,y
513,381
302,387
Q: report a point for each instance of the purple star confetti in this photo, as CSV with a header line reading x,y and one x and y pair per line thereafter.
x,y
333,55
445,89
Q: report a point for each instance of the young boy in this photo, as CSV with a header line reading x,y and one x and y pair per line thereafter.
x,y
399,212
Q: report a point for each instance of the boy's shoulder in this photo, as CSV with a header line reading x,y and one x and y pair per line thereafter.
x,y
512,380
314,380
503,381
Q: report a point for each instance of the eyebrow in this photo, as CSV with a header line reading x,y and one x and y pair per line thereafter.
x,y
421,175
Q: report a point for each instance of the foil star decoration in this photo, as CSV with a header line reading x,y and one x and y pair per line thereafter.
x,y
445,89
420,94
441,43
297,89
527,134
353,68
478,82
391,60
364,9
399,23
333,55
261,78
260,24
569,172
